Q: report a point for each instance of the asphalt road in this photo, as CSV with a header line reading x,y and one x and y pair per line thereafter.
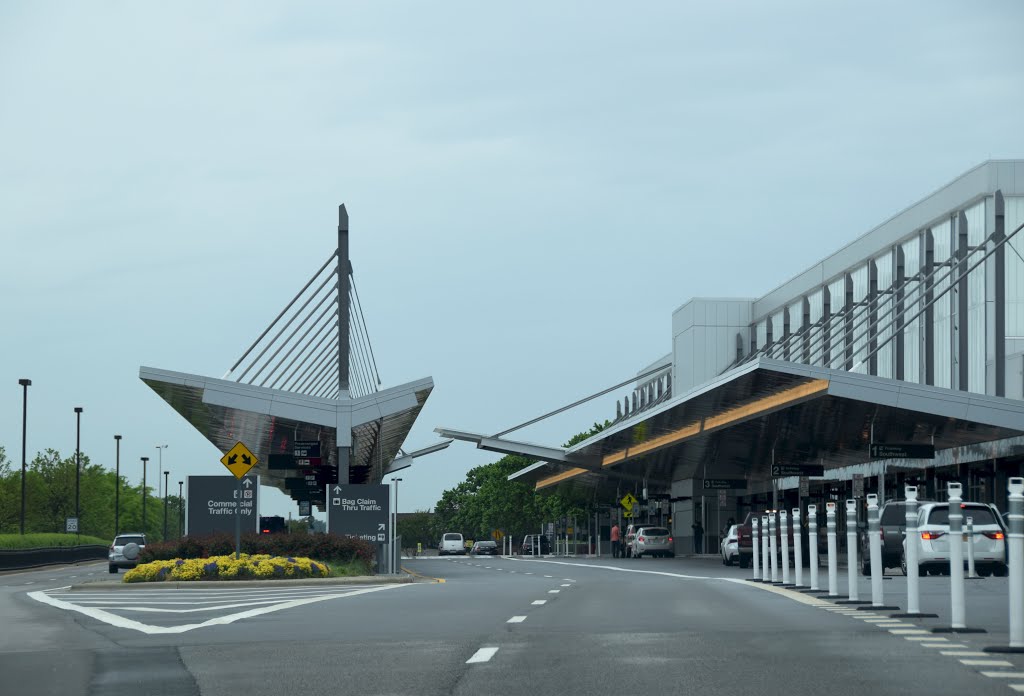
x,y
495,626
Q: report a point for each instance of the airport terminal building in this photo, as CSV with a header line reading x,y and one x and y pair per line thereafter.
x,y
912,334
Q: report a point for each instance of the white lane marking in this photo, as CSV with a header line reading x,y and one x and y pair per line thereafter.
x,y
943,645
30,582
568,579
499,568
529,573
538,602
516,619
567,585
548,576
987,663
1004,675
482,655
900,625
121,622
487,567
908,631
928,639
512,571
553,591
1016,687
963,653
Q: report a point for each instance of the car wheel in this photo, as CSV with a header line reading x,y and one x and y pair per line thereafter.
x,y
744,561
903,563
984,571
113,569
1000,570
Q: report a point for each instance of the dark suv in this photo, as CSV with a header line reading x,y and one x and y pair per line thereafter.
x,y
893,517
531,544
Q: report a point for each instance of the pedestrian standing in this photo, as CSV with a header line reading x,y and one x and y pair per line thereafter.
x,y
615,540
698,537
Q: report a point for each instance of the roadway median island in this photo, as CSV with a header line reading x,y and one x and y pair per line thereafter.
x,y
272,557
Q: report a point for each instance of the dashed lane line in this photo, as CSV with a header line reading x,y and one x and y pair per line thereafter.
x,y
1004,675
963,653
908,631
482,655
553,591
538,602
568,584
516,619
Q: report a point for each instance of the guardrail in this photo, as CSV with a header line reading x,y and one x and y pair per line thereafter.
x,y
20,559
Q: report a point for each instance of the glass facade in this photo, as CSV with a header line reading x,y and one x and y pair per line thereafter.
x,y
942,338
884,316
862,309
1015,270
976,338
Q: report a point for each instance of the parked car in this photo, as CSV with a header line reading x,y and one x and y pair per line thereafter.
x,y
653,541
124,551
893,518
531,544
730,546
988,540
451,543
745,546
484,548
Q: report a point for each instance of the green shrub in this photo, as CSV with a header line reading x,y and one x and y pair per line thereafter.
x,y
48,541
322,546
246,567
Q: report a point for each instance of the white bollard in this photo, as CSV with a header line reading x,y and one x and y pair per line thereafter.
x,y
851,554
956,565
971,573
755,542
912,552
765,577
798,550
773,546
812,543
875,551
784,536
833,553
1015,561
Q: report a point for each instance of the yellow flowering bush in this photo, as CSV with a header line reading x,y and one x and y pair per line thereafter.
x,y
246,566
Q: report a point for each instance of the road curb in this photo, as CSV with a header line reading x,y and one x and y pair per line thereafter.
x,y
109,585
426,578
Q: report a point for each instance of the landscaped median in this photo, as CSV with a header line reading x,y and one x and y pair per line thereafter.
x,y
245,567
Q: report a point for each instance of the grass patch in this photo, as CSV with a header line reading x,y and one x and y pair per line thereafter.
x,y
344,568
48,541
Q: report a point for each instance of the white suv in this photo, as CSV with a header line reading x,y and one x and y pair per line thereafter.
x,y
989,539
452,542
124,551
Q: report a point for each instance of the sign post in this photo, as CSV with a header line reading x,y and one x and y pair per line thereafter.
x,y
239,460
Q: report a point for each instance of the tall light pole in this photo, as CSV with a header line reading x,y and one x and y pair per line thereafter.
x,y
166,474
161,448
78,464
394,533
181,511
117,488
145,460
25,383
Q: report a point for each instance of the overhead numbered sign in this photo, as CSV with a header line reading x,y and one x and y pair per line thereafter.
x,y
779,470
724,484
239,460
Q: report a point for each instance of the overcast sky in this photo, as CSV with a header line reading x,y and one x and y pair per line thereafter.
x,y
532,189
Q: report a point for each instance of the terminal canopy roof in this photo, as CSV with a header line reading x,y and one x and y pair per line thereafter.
x,y
733,426
267,421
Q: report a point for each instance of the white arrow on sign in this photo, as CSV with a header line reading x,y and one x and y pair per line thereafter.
x,y
247,483
380,526
337,490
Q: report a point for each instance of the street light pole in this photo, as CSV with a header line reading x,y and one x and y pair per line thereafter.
x,y
181,511
145,460
117,488
78,464
161,449
166,474
25,383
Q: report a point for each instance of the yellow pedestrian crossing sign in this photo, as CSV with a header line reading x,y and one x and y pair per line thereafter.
x,y
239,460
628,501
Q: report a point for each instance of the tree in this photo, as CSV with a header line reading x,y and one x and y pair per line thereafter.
x,y
417,528
487,501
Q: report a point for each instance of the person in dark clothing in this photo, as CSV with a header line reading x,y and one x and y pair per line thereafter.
x,y
698,537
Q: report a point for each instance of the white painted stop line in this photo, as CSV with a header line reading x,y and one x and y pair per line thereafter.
x,y
482,655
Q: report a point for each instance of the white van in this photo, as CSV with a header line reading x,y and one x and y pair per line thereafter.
x,y
452,542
